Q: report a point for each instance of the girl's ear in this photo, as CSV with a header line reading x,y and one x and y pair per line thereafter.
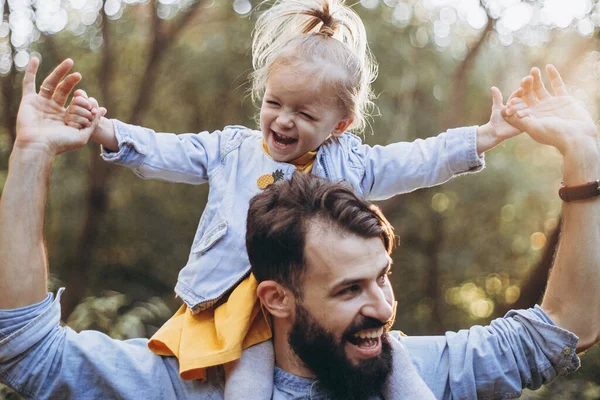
x,y
276,299
342,126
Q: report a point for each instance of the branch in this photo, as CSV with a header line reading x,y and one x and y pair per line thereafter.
x,y
460,78
161,40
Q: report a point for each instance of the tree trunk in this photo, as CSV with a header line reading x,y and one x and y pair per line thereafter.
x,y
100,173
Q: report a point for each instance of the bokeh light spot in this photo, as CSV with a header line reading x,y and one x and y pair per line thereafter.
x,y
370,4
419,38
21,59
482,308
242,7
512,294
440,202
538,240
493,284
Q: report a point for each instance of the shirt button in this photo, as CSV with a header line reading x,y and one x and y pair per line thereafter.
x,y
567,351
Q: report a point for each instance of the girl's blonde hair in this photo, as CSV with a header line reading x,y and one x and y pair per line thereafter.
x,y
304,33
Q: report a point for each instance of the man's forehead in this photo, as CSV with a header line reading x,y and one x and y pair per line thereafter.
x,y
332,253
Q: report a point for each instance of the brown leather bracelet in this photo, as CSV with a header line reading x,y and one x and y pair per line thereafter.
x,y
580,192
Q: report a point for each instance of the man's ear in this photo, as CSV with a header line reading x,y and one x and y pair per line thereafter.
x,y
342,126
276,299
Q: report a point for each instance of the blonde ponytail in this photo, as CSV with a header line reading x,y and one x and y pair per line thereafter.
x,y
324,30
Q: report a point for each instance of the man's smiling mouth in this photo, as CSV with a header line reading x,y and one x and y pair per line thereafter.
x,y
367,339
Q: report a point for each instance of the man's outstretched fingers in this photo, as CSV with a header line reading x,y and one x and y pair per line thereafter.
x,y
538,86
558,86
29,77
51,82
65,88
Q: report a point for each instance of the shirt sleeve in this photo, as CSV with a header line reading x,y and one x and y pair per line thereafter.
x,y
525,349
406,166
186,158
42,360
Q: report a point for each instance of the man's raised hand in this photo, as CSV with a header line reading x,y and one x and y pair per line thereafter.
x,y
558,120
40,121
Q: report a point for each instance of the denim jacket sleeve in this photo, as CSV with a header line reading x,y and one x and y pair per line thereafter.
x,y
525,349
187,158
406,166
42,360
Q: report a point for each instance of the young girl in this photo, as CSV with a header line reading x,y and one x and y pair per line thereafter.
x,y
312,72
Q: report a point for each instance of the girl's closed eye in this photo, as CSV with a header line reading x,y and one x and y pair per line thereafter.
x,y
308,116
272,103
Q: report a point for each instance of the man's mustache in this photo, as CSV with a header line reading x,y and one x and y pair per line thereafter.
x,y
362,324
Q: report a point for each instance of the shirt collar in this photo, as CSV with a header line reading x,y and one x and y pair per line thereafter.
x,y
301,162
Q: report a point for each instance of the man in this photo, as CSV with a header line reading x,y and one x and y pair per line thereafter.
x,y
321,256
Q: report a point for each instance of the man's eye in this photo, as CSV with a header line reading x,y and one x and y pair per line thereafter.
x,y
349,290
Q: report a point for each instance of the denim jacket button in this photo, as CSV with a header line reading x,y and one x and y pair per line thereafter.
x,y
566,351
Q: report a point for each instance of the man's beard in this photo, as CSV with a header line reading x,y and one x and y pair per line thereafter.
x,y
326,358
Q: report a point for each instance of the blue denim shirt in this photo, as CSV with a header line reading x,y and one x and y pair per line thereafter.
x,y
233,159
43,360
289,387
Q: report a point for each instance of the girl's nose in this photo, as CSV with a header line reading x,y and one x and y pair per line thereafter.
x,y
285,120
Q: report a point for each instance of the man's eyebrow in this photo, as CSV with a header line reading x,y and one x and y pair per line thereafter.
x,y
354,281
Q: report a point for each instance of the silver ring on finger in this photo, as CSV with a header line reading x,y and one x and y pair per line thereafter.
x,y
46,90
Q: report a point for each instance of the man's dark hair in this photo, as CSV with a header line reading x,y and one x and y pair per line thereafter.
x,y
279,218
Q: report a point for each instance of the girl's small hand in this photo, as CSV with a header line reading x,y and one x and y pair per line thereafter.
x,y
79,113
497,129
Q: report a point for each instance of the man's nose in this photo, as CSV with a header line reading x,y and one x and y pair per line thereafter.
x,y
378,305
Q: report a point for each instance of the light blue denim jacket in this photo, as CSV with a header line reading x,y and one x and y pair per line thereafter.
x,y
233,159
43,360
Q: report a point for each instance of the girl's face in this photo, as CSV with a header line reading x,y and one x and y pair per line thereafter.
x,y
296,115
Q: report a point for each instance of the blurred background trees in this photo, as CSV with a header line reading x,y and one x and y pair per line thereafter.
x,y
470,249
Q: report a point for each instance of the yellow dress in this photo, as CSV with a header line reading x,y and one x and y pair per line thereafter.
x,y
218,335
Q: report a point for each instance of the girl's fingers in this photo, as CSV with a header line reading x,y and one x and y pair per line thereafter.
x,y
80,111
80,93
81,102
93,102
516,107
75,125
78,120
515,100
527,86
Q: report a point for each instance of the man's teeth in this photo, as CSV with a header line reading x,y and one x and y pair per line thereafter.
x,y
370,334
